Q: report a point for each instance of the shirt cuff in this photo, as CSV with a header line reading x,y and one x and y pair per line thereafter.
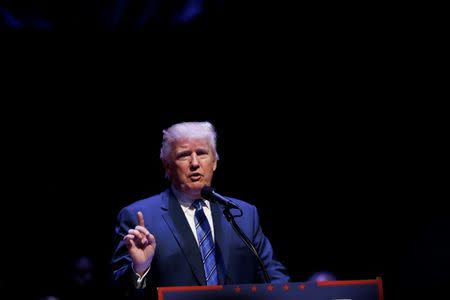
x,y
140,283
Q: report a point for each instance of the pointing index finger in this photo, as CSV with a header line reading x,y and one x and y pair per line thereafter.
x,y
140,217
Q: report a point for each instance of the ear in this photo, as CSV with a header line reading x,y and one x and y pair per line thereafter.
x,y
215,165
166,166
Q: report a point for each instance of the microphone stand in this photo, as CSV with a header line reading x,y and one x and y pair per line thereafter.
x,y
245,239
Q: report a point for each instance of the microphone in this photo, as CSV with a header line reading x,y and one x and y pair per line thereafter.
x,y
208,193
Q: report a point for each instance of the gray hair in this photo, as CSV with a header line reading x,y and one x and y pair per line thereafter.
x,y
188,130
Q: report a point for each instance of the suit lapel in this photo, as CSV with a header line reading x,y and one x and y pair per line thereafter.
x,y
222,234
176,221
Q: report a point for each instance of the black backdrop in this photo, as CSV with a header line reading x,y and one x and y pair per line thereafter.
x,y
348,189
354,188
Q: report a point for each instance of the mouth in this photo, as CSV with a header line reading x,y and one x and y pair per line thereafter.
x,y
195,176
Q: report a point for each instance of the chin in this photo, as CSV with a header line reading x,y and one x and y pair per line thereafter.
x,y
197,186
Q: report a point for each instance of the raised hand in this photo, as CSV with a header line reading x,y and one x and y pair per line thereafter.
x,y
141,245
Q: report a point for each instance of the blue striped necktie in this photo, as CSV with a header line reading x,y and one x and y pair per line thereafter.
x,y
206,243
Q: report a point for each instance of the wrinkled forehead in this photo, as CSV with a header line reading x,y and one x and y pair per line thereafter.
x,y
182,144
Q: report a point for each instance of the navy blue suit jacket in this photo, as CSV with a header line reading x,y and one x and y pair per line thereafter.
x,y
177,259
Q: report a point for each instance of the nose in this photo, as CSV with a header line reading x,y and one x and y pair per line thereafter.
x,y
194,161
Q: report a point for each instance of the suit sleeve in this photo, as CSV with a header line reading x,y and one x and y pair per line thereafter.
x,y
277,272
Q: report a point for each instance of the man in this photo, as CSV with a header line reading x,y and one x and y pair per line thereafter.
x,y
176,238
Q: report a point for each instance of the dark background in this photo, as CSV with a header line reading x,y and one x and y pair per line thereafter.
x,y
326,122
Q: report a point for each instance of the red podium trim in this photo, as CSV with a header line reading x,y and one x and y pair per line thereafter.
x,y
377,281
347,282
187,288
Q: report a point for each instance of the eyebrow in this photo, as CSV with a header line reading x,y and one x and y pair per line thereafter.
x,y
182,152
188,151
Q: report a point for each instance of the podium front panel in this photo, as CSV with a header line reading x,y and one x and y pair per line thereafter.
x,y
326,290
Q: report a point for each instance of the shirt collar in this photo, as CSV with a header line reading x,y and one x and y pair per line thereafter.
x,y
184,201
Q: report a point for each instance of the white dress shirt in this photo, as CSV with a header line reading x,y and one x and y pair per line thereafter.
x,y
189,212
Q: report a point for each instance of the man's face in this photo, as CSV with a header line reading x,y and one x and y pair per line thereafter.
x,y
191,166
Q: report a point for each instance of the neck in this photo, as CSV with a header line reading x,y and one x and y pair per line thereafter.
x,y
192,195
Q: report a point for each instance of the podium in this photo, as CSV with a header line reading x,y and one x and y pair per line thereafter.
x,y
325,290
